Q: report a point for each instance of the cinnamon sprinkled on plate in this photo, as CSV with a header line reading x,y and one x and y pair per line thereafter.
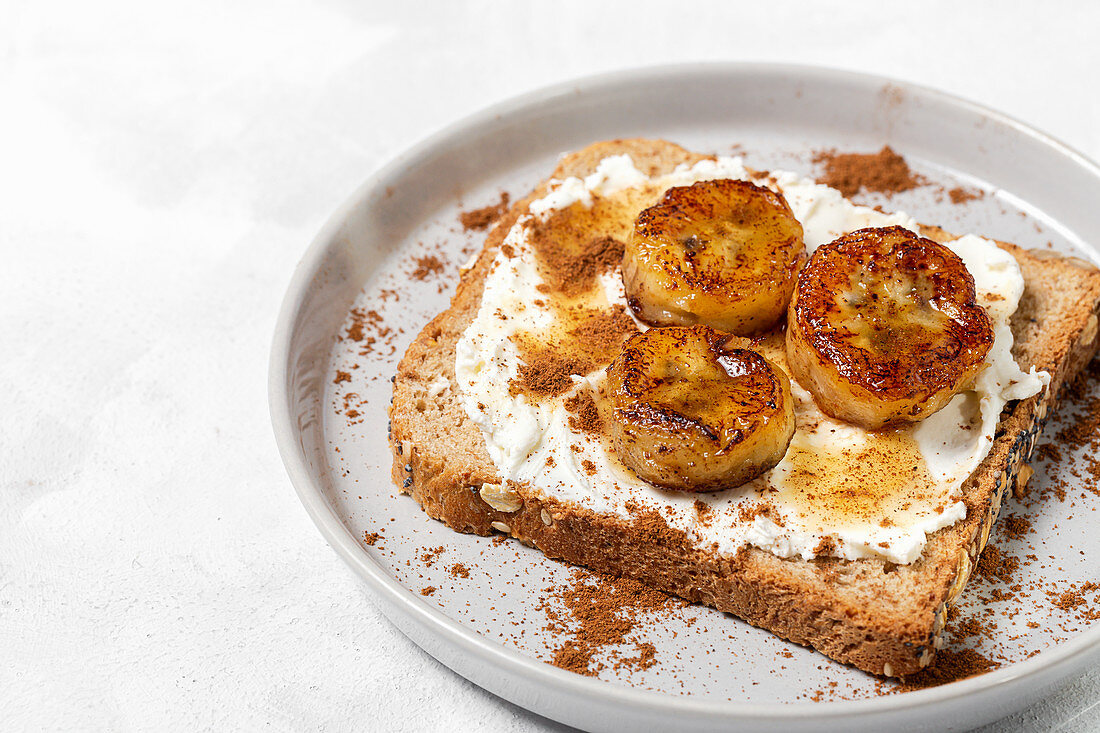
x,y
600,612
427,266
951,666
479,219
960,195
428,557
995,564
882,172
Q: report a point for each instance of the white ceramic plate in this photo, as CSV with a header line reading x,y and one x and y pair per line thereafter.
x,y
715,671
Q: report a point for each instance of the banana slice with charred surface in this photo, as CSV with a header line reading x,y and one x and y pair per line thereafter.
x,y
722,253
694,409
884,328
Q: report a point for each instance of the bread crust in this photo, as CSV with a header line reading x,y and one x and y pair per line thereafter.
x,y
881,618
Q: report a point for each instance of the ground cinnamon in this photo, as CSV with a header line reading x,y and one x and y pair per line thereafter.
x,y
1016,527
960,195
882,172
426,266
704,512
600,612
995,564
584,416
479,219
368,329
951,666
428,557
571,255
590,342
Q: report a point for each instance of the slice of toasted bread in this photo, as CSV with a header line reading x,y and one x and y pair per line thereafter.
x,y
883,618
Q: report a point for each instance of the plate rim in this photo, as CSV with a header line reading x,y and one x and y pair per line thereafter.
x,y
1051,664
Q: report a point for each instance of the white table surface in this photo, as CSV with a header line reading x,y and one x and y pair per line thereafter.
x,y
162,168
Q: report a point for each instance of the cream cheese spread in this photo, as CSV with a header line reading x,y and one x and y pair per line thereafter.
x,y
889,512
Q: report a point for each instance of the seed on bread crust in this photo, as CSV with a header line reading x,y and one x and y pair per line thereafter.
x,y
501,497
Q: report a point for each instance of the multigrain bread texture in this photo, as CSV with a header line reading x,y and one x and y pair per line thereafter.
x,y
882,618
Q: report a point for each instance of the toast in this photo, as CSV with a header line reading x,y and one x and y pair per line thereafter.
x,y
880,617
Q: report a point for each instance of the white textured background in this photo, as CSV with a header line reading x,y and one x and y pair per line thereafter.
x,y
162,168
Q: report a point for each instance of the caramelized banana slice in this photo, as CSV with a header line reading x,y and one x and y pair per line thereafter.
x,y
694,409
884,329
722,253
